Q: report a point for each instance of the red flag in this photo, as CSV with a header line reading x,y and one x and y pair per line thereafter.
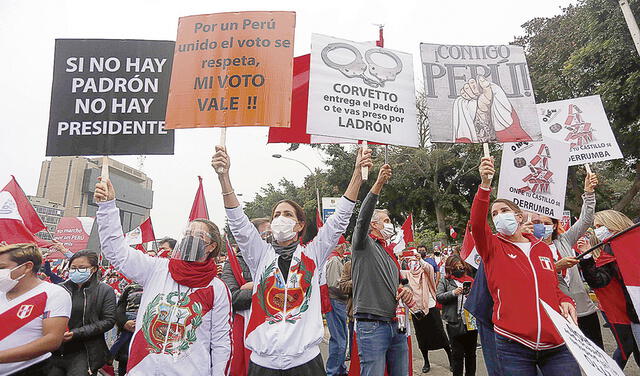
x,y
235,265
239,354
325,300
297,133
452,232
28,214
625,250
199,208
405,236
468,250
141,234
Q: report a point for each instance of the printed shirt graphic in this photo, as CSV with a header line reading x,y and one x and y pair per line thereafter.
x,y
22,319
273,302
169,324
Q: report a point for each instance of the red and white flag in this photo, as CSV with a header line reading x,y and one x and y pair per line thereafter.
x,y
452,232
199,207
468,250
405,236
18,219
625,251
141,234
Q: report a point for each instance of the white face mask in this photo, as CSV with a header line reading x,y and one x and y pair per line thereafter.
x,y
388,231
602,233
6,282
506,223
282,229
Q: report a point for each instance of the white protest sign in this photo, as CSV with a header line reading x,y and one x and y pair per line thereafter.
x,y
361,92
591,358
583,124
478,93
534,176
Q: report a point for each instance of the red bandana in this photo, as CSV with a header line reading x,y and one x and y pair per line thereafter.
x,y
464,278
387,248
192,274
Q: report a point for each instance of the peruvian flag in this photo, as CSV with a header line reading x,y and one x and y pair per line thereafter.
x,y
404,237
625,251
468,250
141,234
452,232
199,207
18,220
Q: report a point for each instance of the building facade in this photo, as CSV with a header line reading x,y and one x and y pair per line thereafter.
x,y
71,182
49,212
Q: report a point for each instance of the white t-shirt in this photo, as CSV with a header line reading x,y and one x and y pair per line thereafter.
x,y
50,299
525,247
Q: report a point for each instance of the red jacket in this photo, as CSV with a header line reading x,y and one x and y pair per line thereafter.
x,y
516,282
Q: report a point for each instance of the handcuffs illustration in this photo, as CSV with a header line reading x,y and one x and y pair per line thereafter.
x,y
374,76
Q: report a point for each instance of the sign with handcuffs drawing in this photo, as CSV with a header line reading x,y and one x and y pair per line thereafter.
x,y
361,92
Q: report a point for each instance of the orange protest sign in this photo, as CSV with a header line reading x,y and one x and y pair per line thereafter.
x,y
232,69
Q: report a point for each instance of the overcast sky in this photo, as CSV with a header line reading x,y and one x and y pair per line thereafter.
x,y
28,30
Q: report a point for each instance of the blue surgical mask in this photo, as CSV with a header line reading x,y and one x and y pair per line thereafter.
x,y
78,276
506,223
542,231
602,233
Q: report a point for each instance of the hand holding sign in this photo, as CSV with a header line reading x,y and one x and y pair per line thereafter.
x,y
220,161
486,171
590,182
104,191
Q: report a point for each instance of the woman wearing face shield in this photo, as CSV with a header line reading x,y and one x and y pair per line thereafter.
x,y
183,326
602,274
93,313
561,244
520,270
285,326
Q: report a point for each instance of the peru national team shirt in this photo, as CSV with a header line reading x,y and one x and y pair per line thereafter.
x,y
21,319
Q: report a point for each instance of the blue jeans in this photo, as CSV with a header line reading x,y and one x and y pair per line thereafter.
x,y
517,359
381,345
488,341
337,323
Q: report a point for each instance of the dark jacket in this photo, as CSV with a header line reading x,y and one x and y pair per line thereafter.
x,y
240,299
479,301
98,316
449,301
128,305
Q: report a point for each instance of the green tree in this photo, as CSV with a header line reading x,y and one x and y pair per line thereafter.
x,y
587,50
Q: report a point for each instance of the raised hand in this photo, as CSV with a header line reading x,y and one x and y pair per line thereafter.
x,y
104,191
220,161
363,159
486,171
590,182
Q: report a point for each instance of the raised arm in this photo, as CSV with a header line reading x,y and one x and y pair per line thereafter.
x,y
586,214
132,263
363,222
249,240
480,229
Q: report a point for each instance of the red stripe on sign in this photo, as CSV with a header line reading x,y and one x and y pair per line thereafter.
x,y
22,314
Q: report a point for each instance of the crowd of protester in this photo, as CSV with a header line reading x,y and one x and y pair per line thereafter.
x,y
200,305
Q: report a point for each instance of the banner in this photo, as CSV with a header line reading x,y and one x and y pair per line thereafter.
x,y
361,92
74,232
583,124
478,93
109,97
591,358
232,69
534,176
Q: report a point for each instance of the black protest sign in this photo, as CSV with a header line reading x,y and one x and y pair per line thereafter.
x,y
109,97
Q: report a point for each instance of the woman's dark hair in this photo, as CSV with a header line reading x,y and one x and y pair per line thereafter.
x,y
91,256
214,233
557,225
452,261
300,216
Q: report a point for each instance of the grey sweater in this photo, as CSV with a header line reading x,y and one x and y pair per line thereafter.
x,y
564,244
375,275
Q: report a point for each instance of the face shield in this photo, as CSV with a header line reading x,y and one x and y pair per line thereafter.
x,y
192,244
